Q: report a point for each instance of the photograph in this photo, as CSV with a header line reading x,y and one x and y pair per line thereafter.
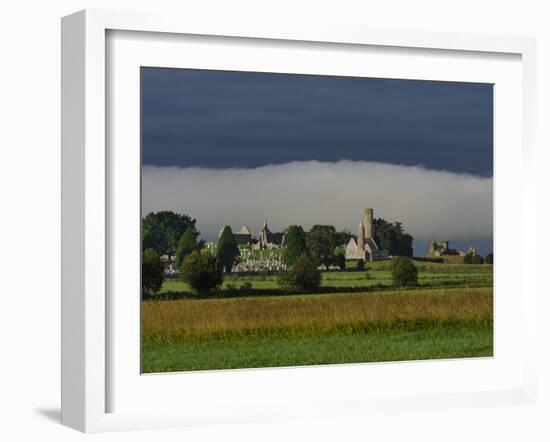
x,y
295,219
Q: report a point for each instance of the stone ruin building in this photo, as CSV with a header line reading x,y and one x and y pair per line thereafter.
x,y
258,254
266,238
441,248
269,239
244,236
365,247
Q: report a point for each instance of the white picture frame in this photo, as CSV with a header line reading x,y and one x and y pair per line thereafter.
x,y
86,205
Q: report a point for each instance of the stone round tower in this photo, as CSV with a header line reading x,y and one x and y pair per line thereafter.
x,y
368,216
361,237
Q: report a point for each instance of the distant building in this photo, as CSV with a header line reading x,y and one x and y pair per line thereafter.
x,y
169,263
269,239
244,236
365,247
441,248
266,238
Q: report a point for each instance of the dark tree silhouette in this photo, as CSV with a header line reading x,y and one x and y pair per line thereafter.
x,y
228,250
186,245
321,243
152,272
162,231
295,244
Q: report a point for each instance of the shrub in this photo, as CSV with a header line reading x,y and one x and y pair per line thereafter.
x,y
246,286
202,271
303,275
477,259
404,273
367,275
468,258
360,265
489,259
341,259
152,272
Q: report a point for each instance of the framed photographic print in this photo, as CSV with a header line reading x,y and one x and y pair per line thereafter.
x,y
251,214
321,278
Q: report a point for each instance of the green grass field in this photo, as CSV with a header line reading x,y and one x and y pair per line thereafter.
x,y
450,315
430,274
336,348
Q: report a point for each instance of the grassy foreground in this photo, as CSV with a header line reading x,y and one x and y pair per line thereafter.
x,y
199,334
473,340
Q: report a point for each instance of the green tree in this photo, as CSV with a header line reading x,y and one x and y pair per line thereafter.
x,y
489,259
392,237
295,244
152,272
468,258
303,275
404,273
477,259
202,271
341,259
228,250
321,242
360,265
162,231
186,245
343,237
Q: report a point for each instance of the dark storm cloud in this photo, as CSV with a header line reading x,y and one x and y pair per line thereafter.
x,y
215,119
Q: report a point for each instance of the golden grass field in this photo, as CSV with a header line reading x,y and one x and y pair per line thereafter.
x,y
189,319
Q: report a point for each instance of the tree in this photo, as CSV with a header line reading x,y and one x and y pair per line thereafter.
x,y
162,231
303,275
477,259
295,244
341,259
392,237
186,245
360,265
202,271
321,242
152,272
489,259
228,250
404,273
343,237
468,258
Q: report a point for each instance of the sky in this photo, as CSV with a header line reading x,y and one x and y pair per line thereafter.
x,y
238,147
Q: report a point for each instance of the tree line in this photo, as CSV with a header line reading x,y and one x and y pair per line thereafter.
x,y
169,233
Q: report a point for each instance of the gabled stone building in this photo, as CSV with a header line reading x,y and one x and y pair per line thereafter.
x,y
269,239
266,238
365,247
244,236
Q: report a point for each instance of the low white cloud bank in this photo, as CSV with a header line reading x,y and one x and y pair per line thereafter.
x,y
429,203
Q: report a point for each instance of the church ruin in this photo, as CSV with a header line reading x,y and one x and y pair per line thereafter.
x,y
266,238
441,248
365,247
269,239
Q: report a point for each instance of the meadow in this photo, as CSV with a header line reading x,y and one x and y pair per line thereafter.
x,y
355,316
